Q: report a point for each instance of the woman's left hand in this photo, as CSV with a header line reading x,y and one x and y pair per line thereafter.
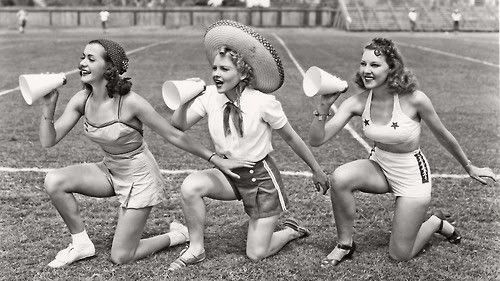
x,y
321,181
226,165
480,173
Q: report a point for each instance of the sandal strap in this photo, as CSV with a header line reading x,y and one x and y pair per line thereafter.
x,y
344,247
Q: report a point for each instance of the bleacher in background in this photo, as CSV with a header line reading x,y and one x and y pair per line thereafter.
x,y
433,15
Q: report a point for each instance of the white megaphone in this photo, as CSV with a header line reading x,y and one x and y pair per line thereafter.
x,y
319,82
176,93
35,86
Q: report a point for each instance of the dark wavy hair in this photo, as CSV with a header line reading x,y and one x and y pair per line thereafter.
x,y
116,84
399,79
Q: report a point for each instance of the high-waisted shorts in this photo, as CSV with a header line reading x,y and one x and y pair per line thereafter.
x,y
408,174
135,177
260,188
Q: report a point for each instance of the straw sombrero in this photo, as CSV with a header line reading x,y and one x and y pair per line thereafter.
x,y
255,49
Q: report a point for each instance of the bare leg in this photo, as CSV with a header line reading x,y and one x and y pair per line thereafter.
x,y
60,184
263,242
208,183
363,175
127,243
86,179
409,235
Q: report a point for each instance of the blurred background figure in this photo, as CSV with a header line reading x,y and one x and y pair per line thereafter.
x,y
258,3
412,16
104,16
456,16
215,3
22,17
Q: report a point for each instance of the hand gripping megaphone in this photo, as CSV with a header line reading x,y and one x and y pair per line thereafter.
x,y
35,86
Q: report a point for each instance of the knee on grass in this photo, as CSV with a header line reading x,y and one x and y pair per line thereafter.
x,y
119,257
400,255
256,254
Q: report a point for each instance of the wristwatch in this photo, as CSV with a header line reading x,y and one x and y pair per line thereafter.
x,y
320,116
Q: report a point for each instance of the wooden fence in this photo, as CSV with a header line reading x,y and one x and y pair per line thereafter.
x,y
175,17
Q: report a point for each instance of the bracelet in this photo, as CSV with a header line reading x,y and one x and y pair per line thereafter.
x,y
321,116
48,119
213,154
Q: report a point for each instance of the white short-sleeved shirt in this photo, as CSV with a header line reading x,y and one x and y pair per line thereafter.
x,y
104,15
261,114
412,16
456,16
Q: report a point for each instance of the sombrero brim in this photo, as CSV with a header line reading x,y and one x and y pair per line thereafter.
x,y
255,49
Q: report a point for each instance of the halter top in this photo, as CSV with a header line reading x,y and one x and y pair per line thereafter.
x,y
115,135
400,129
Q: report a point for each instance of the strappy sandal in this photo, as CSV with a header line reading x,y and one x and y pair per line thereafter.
x,y
339,254
293,224
453,238
182,262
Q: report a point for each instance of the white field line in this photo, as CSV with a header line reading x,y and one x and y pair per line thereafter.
x,y
347,127
189,171
449,54
76,70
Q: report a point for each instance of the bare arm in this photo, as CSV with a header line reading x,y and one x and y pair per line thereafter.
x,y
149,117
300,148
426,111
183,118
321,131
51,132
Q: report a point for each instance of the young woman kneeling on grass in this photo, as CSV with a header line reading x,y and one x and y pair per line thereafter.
x,y
114,117
241,118
391,109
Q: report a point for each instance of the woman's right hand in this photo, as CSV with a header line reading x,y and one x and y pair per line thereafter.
x,y
328,99
51,98
226,165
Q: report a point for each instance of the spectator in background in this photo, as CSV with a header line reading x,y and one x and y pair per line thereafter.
x,y
456,16
103,15
412,16
215,3
258,3
22,17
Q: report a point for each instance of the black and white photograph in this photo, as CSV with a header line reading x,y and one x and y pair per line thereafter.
x,y
249,140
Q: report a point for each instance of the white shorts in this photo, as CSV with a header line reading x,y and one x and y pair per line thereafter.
x,y
408,174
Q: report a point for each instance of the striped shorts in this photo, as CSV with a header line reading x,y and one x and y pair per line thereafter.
x,y
260,188
408,174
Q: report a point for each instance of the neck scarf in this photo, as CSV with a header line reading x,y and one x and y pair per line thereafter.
x,y
233,111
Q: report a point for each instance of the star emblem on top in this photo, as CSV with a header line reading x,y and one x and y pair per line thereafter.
x,y
394,125
367,122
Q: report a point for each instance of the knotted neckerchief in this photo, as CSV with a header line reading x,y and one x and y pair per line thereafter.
x,y
233,111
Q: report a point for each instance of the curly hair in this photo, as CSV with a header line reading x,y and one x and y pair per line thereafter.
x,y
399,79
241,65
116,84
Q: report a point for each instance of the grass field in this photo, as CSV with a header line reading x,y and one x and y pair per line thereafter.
x,y
460,74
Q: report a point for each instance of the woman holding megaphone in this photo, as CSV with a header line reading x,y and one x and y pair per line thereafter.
x,y
392,110
113,118
241,119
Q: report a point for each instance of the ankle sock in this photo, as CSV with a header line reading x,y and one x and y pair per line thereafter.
x,y
81,238
176,238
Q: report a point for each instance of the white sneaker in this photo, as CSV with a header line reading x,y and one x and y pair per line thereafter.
x,y
71,254
179,227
